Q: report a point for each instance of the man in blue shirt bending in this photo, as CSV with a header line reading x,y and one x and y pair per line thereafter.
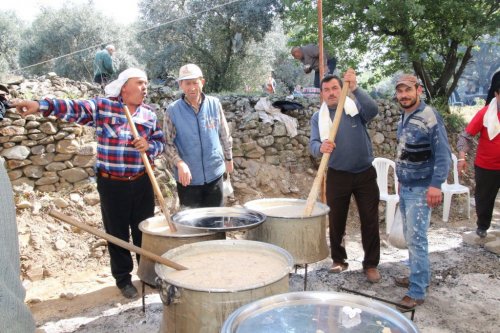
x,y
350,171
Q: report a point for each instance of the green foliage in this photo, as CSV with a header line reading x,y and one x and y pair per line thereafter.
x,y
10,32
217,40
433,38
289,73
454,123
67,31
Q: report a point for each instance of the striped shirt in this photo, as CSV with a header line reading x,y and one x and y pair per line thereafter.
x,y
116,154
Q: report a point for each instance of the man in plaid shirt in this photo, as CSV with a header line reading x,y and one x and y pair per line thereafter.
x,y
125,191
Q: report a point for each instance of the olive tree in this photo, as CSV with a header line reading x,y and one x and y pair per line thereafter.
x,y
10,30
65,41
433,38
216,35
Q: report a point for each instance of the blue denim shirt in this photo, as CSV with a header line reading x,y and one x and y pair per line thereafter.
x,y
423,153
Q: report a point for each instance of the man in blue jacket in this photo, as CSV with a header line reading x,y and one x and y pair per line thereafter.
x,y
422,165
350,171
198,142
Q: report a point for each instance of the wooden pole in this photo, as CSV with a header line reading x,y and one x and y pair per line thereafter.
x,y
311,200
320,42
115,240
150,173
321,75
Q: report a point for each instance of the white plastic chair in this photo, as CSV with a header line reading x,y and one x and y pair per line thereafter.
x,y
455,188
382,165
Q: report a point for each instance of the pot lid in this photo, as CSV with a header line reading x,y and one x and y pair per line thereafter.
x,y
219,218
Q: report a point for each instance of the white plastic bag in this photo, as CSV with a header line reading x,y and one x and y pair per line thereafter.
x,y
396,236
227,188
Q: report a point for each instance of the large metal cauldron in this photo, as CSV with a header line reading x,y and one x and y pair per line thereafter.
x,y
157,238
285,226
313,311
221,277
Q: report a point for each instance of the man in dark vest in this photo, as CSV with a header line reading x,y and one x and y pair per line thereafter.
x,y
198,142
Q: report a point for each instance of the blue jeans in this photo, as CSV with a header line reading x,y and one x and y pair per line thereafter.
x,y
416,217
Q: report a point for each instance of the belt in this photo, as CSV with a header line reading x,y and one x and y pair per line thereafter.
x,y
121,178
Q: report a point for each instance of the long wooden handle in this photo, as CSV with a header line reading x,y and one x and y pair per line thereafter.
x,y
311,199
115,240
150,173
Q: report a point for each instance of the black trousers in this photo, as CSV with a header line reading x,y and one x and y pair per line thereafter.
x,y
340,186
487,186
123,206
199,196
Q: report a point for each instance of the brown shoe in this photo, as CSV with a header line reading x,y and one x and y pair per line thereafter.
x,y
372,274
403,282
338,267
408,303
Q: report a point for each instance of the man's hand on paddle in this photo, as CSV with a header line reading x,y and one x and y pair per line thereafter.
x,y
327,147
350,77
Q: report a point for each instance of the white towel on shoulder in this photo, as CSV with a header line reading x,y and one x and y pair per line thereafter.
x,y
325,122
490,119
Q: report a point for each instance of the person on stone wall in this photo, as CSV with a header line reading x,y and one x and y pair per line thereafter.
x,y
198,142
350,171
104,66
486,123
422,164
309,56
124,188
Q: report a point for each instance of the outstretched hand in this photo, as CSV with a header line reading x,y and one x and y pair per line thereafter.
x,y
25,107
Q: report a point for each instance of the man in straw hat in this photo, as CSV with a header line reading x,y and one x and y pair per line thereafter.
x,y
422,164
125,190
198,142
350,171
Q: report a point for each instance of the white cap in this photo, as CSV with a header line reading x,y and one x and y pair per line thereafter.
x,y
114,88
189,71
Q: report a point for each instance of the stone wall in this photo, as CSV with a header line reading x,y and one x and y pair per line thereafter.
x,y
254,139
49,155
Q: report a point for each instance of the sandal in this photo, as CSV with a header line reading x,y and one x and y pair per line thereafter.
x,y
338,267
408,303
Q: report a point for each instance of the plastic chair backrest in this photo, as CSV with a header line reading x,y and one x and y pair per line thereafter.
x,y
455,169
382,165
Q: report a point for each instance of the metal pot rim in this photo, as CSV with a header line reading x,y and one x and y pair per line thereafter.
x,y
251,205
182,218
313,297
182,232
162,270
